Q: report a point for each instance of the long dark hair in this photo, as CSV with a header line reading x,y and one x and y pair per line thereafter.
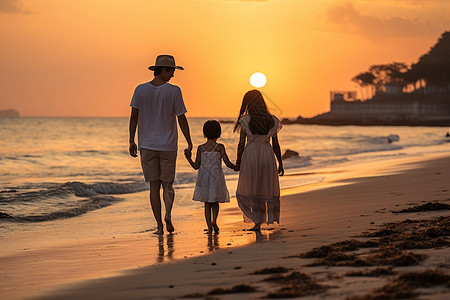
x,y
260,119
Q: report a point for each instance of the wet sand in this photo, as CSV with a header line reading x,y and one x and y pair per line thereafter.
x,y
353,200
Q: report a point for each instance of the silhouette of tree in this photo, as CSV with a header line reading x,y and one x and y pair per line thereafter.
x,y
380,75
434,66
432,69
365,80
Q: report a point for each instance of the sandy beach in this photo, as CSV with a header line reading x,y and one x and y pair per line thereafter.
x,y
351,206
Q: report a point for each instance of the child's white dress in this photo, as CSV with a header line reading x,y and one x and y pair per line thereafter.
x,y
211,185
258,190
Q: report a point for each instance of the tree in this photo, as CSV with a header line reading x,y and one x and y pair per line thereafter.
x,y
365,80
434,66
380,75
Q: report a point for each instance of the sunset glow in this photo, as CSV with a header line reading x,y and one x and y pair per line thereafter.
x,y
84,58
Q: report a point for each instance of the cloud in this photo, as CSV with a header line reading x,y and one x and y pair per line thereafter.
x,y
249,0
13,6
348,19
408,2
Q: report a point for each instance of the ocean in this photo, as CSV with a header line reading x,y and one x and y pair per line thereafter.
x,y
78,170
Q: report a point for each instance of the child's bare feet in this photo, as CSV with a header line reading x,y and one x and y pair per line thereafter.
x,y
257,227
160,230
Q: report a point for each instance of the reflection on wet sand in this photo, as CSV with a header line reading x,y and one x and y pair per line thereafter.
x,y
161,246
266,235
213,242
191,244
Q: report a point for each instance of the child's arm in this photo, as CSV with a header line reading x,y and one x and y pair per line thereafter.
x,y
196,164
225,158
277,151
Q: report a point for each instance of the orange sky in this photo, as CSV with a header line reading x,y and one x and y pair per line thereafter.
x,y
85,57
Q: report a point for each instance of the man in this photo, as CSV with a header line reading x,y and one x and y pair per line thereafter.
x,y
155,107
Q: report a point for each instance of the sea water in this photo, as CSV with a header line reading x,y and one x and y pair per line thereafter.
x,y
63,169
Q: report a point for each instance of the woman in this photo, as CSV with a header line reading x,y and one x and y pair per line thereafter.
x,y
258,191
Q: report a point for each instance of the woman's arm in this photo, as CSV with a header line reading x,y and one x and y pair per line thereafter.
x,y
240,149
277,151
196,164
225,158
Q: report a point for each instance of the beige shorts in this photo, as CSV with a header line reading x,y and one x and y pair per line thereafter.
x,y
158,165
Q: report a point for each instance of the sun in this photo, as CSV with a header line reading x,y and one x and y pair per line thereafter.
x,y
258,80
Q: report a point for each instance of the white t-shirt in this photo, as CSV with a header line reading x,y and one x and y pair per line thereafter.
x,y
158,108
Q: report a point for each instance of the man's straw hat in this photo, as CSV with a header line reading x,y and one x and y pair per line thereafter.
x,y
165,61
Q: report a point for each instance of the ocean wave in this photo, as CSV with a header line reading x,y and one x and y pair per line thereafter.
x,y
383,139
297,162
82,190
85,206
68,189
88,152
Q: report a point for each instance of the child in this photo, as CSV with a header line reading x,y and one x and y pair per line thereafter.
x,y
258,190
210,186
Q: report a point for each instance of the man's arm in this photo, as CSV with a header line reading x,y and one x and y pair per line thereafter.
x,y
196,164
133,124
184,126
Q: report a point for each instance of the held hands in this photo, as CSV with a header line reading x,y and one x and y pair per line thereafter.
x,y
188,153
133,149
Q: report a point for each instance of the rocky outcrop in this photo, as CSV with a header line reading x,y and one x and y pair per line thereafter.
x,y
289,153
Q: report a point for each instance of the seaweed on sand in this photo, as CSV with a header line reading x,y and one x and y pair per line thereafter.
x,y
372,273
394,241
296,284
238,289
379,257
430,206
403,286
274,270
242,288
344,246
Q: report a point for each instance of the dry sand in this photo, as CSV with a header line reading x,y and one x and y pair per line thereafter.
x,y
352,200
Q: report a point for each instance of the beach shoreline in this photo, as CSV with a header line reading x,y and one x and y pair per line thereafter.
x,y
312,216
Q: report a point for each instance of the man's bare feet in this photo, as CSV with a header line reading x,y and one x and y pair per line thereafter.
x,y
216,228
169,225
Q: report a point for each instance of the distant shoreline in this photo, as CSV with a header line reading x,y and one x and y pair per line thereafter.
x,y
9,113
329,119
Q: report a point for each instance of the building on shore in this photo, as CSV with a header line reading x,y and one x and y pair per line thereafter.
x,y
393,102
395,94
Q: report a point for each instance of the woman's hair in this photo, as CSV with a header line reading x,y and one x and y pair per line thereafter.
x,y
260,119
212,129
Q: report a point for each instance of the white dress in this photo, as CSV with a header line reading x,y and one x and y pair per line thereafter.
x,y
211,185
258,190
